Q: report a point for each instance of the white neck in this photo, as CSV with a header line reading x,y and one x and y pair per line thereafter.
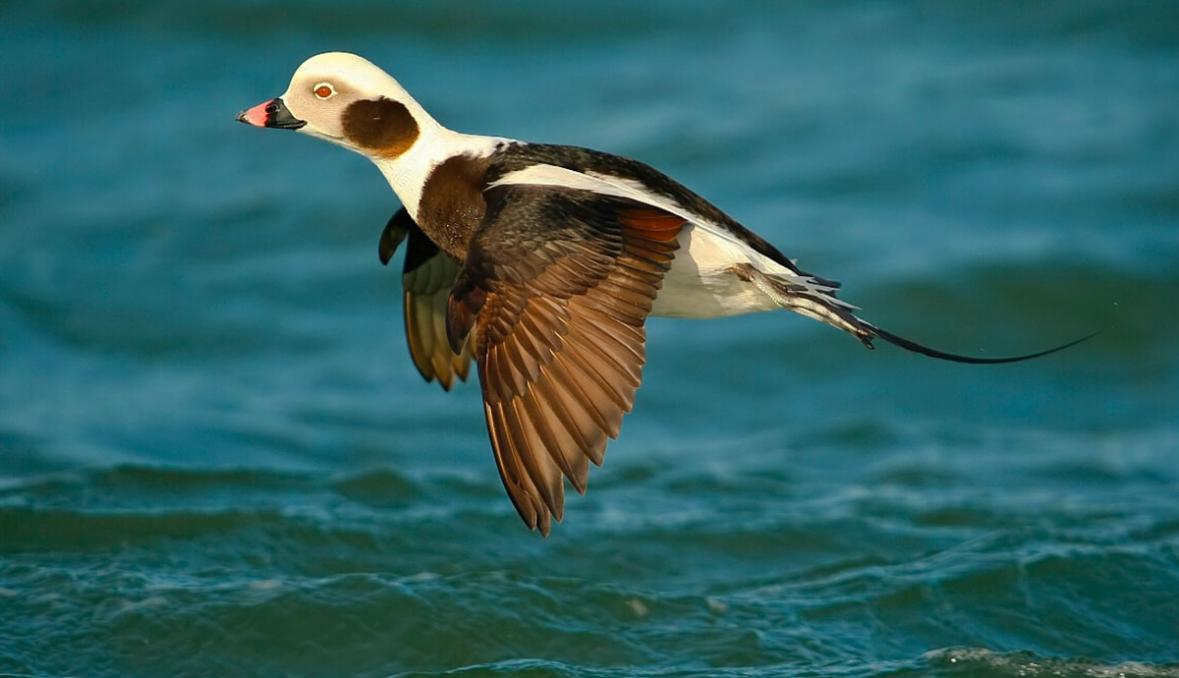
x,y
407,173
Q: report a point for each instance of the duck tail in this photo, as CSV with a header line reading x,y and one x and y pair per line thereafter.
x,y
816,298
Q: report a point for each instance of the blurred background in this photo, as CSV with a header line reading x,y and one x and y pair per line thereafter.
x,y
217,459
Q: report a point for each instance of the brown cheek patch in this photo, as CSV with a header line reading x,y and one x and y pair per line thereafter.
x,y
383,126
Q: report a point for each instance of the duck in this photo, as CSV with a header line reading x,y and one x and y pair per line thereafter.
x,y
541,263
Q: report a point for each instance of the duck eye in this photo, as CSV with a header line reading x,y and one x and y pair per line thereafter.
x,y
324,91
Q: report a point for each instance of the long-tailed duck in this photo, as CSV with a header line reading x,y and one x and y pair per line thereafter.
x,y
542,263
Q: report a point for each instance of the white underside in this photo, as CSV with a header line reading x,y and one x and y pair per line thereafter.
x,y
701,282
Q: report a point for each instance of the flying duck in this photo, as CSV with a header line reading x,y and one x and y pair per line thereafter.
x,y
542,263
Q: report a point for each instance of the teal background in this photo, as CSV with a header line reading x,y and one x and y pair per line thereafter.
x,y
216,458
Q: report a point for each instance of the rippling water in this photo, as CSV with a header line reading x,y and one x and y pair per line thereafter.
x,y
216,458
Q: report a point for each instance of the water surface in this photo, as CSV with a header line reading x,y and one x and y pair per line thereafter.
x,y
217,459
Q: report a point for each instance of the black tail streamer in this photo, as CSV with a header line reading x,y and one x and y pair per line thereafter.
x,y
910,345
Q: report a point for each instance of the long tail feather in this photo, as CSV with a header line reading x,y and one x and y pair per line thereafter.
x,y
816,299
910,345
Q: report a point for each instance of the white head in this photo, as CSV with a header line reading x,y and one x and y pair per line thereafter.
x,y
348,101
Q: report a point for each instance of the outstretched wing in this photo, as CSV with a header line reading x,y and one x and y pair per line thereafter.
x,y
427,277
557,288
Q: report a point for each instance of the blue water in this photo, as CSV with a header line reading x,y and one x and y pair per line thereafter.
x,y
216,458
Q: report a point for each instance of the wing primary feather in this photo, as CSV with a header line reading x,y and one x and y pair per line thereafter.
x,y
580,428
608,392
508,472
530,449
561,444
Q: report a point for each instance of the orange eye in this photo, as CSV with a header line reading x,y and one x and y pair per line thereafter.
x,y
324,90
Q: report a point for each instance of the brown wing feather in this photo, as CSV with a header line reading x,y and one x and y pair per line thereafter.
x,y
426,289
427,278
428,275
558,320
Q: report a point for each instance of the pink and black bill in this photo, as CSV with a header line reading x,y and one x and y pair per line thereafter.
x,y
273,113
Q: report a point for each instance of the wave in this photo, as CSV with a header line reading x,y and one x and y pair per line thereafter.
x,y
698,569
969,661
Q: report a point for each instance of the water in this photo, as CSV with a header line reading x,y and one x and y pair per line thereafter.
x,y
216,458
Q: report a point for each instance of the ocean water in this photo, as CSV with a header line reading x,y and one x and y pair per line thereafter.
x,y
216,458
